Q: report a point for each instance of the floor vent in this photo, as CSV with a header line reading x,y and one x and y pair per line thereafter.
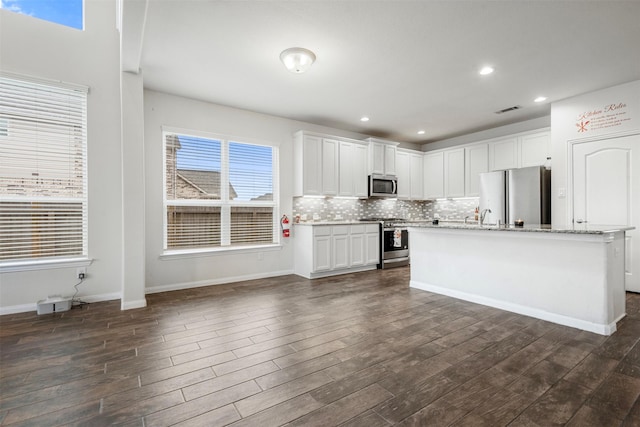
x,y
515,107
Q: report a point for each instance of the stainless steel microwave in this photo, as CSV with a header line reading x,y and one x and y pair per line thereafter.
x,y
383,186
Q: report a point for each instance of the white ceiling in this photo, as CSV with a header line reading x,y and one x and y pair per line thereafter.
x,y
408,65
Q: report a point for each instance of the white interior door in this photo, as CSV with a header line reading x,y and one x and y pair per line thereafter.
x,y
606,191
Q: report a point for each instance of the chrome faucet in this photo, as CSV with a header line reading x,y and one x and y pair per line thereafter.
x,y
483,214
466,218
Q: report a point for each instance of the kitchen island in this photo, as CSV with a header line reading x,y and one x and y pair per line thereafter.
x,y
574,277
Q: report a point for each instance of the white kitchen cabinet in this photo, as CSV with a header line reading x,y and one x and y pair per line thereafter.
x,y
335,249
372,244
534,149
359,170
454,173
416,172
476,161
307,169
357,246
382,157
519,151
410,175
322,249
433,175
330,166
318,170
404,176
503,154
352,174
340,246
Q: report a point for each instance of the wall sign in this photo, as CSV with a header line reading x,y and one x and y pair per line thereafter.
x,y
607,117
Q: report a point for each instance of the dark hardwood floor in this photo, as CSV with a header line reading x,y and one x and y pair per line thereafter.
x,y
354,350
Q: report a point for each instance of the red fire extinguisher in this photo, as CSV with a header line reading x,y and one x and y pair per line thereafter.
x,y
284,224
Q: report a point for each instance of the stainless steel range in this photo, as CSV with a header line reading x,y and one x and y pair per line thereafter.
x,y
394,242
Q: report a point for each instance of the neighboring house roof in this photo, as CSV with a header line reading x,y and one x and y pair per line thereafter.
x,y
206,182
266,196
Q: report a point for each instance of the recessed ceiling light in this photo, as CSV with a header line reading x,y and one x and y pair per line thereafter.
x,y
540,99
420,132
364,119
486,70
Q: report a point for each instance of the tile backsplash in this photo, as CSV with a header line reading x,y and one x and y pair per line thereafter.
x,y
337,209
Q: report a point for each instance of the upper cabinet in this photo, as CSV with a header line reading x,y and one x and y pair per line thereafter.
x,y
330,156
476,161
382,156
329,166
454,173
353,169
519,151
410,175
433,175
307,170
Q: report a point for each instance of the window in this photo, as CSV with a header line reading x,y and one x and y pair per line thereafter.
x,y
219,193
64,12
43,177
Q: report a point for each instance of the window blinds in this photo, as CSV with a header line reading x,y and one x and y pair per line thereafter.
x,y
217,192
43,180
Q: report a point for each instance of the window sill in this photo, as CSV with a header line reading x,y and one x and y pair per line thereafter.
x,y
193,253
11,267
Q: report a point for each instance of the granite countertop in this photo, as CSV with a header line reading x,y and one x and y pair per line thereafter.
x,y
347,222
538,228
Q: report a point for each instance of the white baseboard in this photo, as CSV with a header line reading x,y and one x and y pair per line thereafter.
x,y
13,309
602,329
141,303
23,308
211,282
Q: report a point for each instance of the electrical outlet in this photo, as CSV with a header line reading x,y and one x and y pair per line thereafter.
x,y
81,273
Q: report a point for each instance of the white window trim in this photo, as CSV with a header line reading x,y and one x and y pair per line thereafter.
x,y
206,252
199,252
44,264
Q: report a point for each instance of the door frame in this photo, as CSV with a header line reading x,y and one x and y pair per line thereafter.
x,y
570,144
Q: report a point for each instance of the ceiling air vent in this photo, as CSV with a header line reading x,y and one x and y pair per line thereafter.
x,y
515,107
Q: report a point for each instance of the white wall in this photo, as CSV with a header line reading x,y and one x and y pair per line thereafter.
x,y
91,57
178,112
567,115
533,124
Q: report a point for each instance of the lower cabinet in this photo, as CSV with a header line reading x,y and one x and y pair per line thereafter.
x,y
335,249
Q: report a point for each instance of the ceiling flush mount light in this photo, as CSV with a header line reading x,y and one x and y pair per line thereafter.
x,y
297,59
540,99
364,119
420,132
486,70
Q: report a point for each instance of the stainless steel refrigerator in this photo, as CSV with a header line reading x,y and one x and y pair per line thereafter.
x,y
516,194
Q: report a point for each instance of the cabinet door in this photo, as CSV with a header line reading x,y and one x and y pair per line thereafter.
x,y
345,175
433,175
311,167
377,158
390,154
417,179
357,249
359,170
340,249
454,173
372,247
534,149
476,161
404,175
330,167
321,253
503,154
